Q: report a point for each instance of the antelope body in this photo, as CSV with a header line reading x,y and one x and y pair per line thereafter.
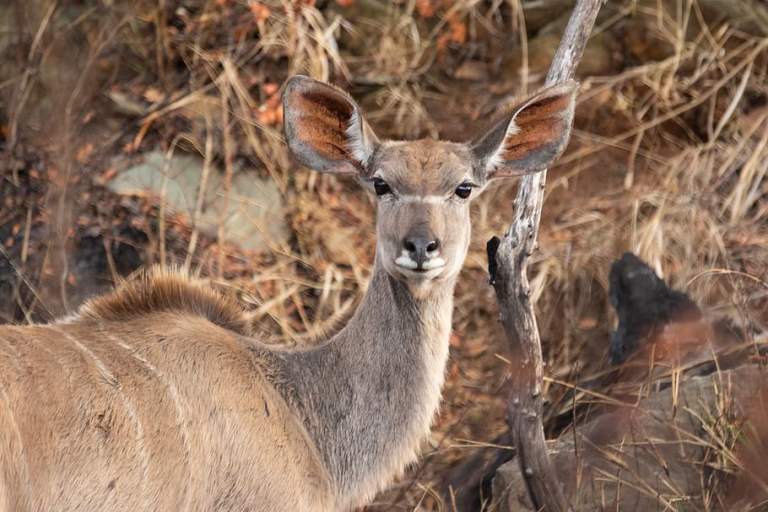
x,y
157,397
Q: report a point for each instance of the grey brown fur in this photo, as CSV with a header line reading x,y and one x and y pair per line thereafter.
x,y
157,398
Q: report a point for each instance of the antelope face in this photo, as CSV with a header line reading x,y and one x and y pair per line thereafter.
x,y
423,188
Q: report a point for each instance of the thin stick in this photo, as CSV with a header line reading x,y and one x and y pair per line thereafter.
x,y
201,192
508,262
229,152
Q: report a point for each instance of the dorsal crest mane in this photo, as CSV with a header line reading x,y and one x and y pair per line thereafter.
x,y
159,290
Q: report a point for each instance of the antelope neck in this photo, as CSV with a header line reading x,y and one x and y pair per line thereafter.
x,y
369,394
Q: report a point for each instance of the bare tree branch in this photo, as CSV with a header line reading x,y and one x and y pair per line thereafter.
x,y
508,265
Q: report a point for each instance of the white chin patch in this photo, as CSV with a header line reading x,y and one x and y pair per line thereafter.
x,y
433,263
405,261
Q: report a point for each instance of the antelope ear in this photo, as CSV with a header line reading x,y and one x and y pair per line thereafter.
x,y
530,139
325,129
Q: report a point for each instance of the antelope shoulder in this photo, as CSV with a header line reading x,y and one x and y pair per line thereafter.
x,y
149,399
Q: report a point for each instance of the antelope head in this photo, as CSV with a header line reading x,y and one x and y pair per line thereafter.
x,y
424,187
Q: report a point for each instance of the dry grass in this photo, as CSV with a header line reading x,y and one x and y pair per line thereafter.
x,y
669,160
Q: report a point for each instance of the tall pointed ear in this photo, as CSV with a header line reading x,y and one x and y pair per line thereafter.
x,y
325,129
532,137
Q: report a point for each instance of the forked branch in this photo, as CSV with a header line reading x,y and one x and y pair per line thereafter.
x,y
508,265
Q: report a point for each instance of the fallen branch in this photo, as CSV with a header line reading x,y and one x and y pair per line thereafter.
x,y
508,264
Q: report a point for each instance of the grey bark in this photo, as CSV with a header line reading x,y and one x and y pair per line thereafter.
x,y
509,259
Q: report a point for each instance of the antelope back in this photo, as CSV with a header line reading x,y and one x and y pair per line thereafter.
x,y
135,415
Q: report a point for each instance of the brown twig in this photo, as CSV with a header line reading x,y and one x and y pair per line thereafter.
x,y
508,263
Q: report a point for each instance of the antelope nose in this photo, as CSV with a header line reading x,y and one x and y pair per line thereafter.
x,y
421,248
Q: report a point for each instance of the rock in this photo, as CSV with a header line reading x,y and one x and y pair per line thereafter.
x,y
750,16
7,17
599,55
644,42
539,14
255,213
652,455
472,70
648,39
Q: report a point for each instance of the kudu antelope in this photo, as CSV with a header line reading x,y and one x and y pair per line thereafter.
x,y
156,397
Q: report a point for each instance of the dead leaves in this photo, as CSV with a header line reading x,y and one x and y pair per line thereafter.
x,y
270,113
456,33
260,12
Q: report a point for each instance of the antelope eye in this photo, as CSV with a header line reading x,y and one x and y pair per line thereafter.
x,y
381,187
464,190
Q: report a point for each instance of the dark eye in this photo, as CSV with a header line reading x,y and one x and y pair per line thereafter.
x,y
381,187
464,190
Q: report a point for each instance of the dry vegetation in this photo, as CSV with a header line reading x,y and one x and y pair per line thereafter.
x,y
669,160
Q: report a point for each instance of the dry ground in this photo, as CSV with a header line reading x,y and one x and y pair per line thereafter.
x,y
669,160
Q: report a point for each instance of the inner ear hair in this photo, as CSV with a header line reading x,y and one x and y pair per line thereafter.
x,y
532,136
324,127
